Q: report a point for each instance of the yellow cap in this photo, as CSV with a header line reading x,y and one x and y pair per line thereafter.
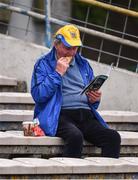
x,y
69,35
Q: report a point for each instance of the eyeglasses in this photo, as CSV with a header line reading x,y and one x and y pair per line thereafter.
x,y
70,48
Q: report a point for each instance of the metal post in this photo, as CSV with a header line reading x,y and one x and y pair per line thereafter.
x,y
86,20
105,27
137,68
123,35
47,24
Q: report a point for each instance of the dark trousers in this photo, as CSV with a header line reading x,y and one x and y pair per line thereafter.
x,y
79,124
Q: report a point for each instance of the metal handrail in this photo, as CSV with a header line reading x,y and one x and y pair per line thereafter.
x,y
60,22
85,46
110,7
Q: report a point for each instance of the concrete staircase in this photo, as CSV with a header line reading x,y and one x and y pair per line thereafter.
x,y
40,157
12,85
11,119
14,144
69,168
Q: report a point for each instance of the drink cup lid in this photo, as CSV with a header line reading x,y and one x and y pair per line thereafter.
x,y
27,122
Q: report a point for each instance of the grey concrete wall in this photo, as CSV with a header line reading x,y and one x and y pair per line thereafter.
x,y
17,57
119,92
20,25
33,30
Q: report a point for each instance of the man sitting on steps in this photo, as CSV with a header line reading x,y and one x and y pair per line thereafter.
x,y
57,81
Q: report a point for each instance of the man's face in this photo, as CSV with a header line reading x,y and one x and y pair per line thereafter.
x,y
63,51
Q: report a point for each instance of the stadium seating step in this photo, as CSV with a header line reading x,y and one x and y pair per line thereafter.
x,y
8,84
11,119
69,168
16,100
14,144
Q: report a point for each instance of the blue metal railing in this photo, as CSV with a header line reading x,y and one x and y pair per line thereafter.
x,y
47,26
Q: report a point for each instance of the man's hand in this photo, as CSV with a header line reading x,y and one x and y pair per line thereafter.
x,y
62,65
94,96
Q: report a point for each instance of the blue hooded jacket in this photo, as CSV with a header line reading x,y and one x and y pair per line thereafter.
x,y
46,90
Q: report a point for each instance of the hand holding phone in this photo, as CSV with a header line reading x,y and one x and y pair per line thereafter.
x,y
95,84
94,96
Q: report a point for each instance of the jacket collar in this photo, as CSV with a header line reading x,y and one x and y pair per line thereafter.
x,y
51,58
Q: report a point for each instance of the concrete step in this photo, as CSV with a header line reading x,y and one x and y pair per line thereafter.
x,y
12,100
12,85
119,120
12,119
14,144
69,168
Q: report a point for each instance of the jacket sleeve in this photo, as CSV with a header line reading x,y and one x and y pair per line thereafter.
x,y
44,82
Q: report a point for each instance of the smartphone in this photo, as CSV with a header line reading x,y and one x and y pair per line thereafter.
x,y
95,84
